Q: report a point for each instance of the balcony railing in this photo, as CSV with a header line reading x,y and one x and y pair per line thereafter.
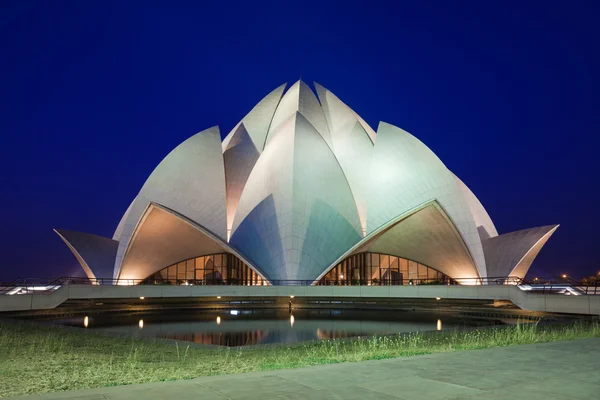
x,y
537,285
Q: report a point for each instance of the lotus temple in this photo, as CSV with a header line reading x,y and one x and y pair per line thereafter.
x,y
303,191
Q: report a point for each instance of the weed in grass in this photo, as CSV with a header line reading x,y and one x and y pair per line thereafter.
x,y
37,359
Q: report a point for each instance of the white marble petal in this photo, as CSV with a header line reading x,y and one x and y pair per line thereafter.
x,y
511,254
297,213
352,146
404,174
484,223
258,120
163,238
300,98
191,181
96,254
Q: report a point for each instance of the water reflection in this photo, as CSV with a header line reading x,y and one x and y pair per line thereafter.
x,y
248,327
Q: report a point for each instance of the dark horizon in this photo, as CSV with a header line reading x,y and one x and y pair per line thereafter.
x,y
94,96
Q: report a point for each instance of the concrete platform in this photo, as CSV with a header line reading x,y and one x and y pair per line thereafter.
x,y
526,300
560,370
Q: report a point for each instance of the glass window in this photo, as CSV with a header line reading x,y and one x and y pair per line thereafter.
x,y
379,269
375,260
181,271
211,268
173,272
200,274
234,272
189,269
423,272
189,265
404,270
384,261
356,274
413,271
394,263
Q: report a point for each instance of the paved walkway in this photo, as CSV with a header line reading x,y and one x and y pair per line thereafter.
x,y
561,370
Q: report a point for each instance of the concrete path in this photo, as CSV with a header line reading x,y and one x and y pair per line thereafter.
x,y
567,370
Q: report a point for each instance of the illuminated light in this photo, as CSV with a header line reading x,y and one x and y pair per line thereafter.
x,y
536,279
141,323
438,298
564,276
142,298
234,312
291,296
292,319
341,276
438,326
86,321
218,297
218,320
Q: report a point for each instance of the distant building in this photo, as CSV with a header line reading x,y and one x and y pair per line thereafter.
x,y
304,190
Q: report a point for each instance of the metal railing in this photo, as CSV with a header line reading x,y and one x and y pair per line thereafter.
x,y
561,285
539,285
41,285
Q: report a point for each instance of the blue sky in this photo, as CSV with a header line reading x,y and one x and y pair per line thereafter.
x,y
95,94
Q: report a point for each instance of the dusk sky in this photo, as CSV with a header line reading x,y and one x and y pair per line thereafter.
x,y
95,94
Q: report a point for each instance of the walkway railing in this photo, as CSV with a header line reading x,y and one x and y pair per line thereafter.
x,y
541,285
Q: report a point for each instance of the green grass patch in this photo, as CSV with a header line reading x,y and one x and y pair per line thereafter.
x,y
37,359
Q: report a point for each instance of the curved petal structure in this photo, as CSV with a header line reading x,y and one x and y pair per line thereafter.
x,y
424,234
297,212
96,254
405,174
299,187
239,158
242,147
352,146
119,230
164,238
513,253
484,223
258,120
300,99
190,181
340,118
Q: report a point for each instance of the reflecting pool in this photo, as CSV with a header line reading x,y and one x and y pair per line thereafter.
x,y
249,327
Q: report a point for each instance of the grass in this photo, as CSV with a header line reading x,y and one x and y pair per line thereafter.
x,y
37,359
